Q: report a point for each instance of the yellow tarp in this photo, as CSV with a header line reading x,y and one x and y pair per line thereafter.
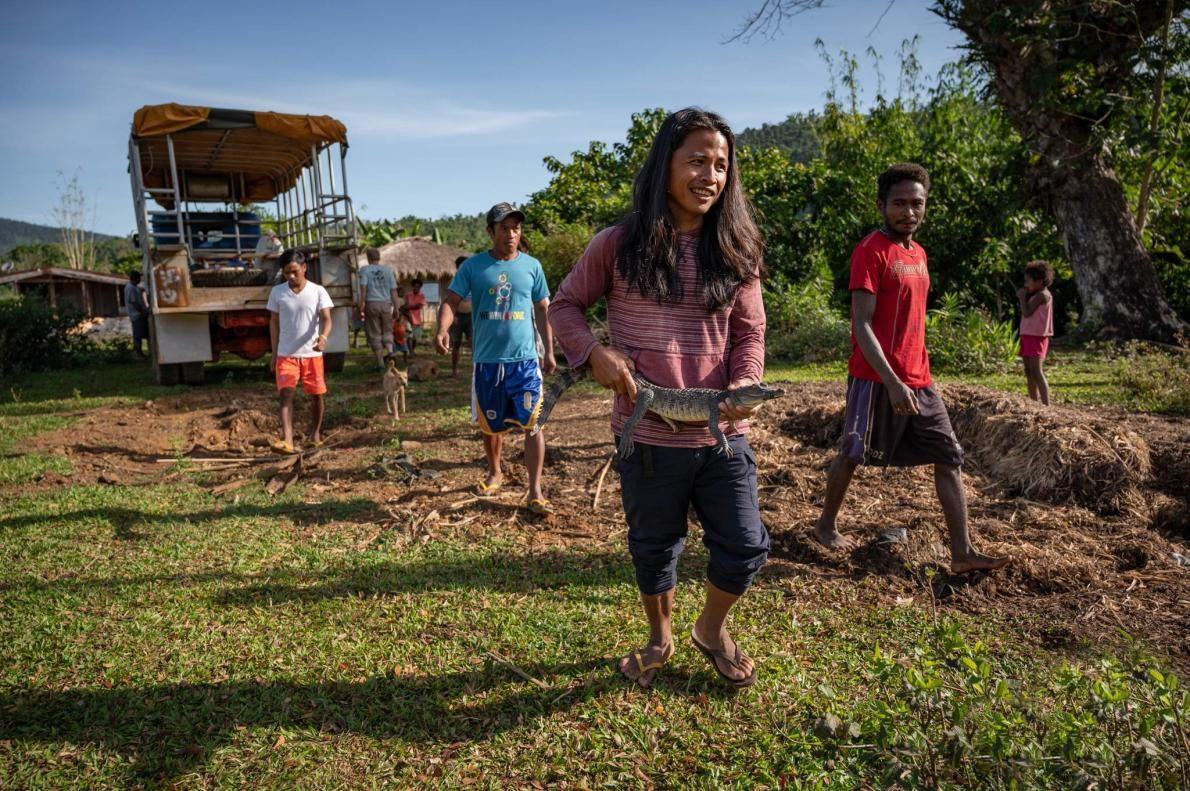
x,y
261,160
161,119
306,128
154,120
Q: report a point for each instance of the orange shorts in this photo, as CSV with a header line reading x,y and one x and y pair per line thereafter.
x,y
308,369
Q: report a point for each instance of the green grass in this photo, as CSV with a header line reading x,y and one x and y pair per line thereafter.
x,y
1078,377
159,636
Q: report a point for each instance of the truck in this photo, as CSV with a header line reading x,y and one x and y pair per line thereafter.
x,y
218,194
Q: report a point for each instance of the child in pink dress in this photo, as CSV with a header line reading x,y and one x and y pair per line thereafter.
x,y
1037,325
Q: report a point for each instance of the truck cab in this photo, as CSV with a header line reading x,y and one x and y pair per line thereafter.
x,y
219,194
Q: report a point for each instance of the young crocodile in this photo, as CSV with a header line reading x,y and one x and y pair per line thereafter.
x,y
692,405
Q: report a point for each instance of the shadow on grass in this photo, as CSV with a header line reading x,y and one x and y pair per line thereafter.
x,y
168,730
540,571
548,570
356,510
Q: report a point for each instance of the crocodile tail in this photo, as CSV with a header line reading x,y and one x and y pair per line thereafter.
x,y
561,384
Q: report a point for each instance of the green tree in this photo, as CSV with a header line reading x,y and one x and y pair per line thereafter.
x,y
37,254
1063,71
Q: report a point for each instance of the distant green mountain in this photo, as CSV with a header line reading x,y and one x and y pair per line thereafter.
x,y
15,232
794,136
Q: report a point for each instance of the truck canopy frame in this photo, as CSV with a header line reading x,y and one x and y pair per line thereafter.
x,y
181,156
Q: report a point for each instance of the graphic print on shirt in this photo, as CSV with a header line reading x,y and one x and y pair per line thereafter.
x,y
502,291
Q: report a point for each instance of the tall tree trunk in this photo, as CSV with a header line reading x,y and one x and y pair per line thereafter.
x,y
1114,274
1030,47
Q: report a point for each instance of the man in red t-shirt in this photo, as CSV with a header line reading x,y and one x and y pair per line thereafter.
x,y
894,417
415,301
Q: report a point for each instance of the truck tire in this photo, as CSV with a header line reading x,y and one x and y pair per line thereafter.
x,y
167,374
216,278
333,362
192,373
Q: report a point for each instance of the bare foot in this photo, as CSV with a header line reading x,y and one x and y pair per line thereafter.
x,y
652,656
723,648
977,561
832,539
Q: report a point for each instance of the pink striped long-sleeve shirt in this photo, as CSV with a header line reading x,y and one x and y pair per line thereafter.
x,y
672,344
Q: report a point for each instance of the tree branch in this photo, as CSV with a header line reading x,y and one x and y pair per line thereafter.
x,y
767,20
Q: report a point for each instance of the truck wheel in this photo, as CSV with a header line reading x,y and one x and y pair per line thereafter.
x,y
167,374
192,373
333,361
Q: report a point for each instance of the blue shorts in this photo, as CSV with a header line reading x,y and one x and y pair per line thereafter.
x,y
505,396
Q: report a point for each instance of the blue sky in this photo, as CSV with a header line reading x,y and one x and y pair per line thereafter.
x,y
449,107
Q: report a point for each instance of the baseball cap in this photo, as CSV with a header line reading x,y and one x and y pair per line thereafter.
x,y
501,210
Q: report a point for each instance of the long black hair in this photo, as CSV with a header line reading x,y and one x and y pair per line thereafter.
x,y
730,249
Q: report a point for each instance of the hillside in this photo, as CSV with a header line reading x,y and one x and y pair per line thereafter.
x,y
15,232
794,136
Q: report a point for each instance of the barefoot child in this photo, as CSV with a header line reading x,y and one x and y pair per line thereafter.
x,y
1037,325
894,417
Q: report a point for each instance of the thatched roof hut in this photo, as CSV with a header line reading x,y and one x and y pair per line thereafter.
x,y
421,258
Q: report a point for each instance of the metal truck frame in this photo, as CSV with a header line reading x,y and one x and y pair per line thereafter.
x,y
207,286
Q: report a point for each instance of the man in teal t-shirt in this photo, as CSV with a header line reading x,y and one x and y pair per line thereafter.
x,y
508,296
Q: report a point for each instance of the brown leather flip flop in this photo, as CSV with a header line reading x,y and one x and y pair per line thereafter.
x,y
712,655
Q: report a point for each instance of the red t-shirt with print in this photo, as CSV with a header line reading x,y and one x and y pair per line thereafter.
x,y
898,277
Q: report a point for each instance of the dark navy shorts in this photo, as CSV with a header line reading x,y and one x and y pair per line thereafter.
x,y
660,484
874,434
505,396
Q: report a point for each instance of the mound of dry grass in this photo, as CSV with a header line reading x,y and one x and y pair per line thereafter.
x,y
1052,454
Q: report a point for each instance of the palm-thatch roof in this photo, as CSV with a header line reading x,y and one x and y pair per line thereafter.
x,y
421,258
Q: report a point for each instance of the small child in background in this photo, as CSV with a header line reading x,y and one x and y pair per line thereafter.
x,y
1037,325
399,340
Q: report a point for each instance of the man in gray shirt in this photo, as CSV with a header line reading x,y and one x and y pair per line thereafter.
x,y
138,311
378,299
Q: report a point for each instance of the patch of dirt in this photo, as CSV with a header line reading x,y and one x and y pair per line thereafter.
x,y
1095,548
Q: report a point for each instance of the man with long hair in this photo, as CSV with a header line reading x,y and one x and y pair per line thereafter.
x,y
507,289
894,417
681,273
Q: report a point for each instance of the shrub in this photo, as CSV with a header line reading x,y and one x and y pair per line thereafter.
x,y
559,250
34,336
1158,377
968,340
803,326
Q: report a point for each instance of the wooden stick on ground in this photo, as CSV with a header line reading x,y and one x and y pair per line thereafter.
x,y
508,664
602,475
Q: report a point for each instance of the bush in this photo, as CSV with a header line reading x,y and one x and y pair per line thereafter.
x,y
1158,377
34,337
803,326
559,250
968,340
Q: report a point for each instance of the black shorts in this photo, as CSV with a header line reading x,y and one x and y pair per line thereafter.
x,y
874,434
460,327
659,485
140,329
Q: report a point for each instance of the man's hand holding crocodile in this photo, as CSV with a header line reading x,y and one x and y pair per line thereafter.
x,y
613,369
733,411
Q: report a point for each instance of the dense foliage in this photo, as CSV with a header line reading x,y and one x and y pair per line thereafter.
x,y
35,337
979,233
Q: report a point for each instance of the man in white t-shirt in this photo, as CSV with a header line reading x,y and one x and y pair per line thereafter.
x,y
298,327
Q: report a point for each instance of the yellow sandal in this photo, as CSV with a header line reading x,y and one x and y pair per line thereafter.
x,y
642,668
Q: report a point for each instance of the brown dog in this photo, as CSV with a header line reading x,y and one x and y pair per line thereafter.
x,y
394,389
